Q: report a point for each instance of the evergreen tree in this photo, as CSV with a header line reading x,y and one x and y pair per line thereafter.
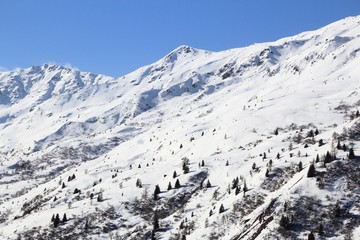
x,y
300,166
245,187
53,218
237,190
202,163
357,114
317,158
344,148
310,134
174,174
177,183
267,173
183,237
328,158
221,209
156,224
321,229
235,183
169,186
351,153
338,146
63,185
208,184
64,218
210,213
69,179
56,220
316,132
321,142
311,236
73,177
227,163
156,192
100,197
181,146
311,171
278,156
276,132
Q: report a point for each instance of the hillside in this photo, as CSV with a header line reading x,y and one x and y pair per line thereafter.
x,y
228,137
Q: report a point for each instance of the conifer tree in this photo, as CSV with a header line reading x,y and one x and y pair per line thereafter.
x,y
169,186
64,218
177,183
311,171
351,153
311,236
267,173
156,192
208,184
56,220
221,209
300,167
156,224
174,174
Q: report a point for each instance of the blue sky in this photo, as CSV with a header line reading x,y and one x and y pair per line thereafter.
x,y
115,37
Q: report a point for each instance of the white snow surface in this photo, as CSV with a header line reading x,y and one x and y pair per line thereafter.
x,y
219,106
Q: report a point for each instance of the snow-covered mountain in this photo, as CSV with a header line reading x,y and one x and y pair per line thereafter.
x,y
228,137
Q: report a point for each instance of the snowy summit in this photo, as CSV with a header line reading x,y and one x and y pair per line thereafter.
x,y
260,142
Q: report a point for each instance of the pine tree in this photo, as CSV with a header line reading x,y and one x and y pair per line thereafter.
x,y
344,148
169,186
208,184
300,166
177,183
73,177
174,174
317,158
267,173
311,236
53,218
328,158
276,132
338,146
56,220
181,146
321,229
210,213
316,132
156,192
69,179
311,171
278,156
156,224
227,163
221,209
202,163
235,183
100,197
63,185
64,218
237,190
351,153
245,187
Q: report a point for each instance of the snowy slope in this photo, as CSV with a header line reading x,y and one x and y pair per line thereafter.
x,y
216,109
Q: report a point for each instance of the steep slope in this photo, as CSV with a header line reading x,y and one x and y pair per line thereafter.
x,y
233,125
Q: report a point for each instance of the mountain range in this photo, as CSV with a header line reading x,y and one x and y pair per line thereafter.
x,y
258,142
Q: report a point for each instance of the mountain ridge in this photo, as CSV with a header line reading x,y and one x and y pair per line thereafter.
x,y
233,125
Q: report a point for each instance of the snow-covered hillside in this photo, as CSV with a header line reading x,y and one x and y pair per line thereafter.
x,y
228,137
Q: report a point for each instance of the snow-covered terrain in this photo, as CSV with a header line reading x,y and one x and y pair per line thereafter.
x,y
238,129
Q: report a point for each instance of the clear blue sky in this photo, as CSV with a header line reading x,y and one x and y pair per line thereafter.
x,y
115,37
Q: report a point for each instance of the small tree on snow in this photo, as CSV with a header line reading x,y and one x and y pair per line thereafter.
x,y
311,171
